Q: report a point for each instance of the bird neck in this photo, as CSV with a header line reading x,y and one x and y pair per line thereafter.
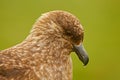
x,y
48,44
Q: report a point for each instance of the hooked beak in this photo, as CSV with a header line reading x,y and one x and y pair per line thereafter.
x,y
81,53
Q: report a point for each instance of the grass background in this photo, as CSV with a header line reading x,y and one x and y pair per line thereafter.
x,y
101,21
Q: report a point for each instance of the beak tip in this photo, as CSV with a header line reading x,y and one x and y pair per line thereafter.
x,y
86,60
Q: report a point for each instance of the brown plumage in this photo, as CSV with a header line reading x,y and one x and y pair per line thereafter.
x,y
45,53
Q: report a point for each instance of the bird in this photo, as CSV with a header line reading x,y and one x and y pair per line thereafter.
x,y
45,53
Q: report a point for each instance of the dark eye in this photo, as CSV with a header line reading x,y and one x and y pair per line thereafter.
x,y
68,33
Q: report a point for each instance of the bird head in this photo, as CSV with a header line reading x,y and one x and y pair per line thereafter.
x,y
70,28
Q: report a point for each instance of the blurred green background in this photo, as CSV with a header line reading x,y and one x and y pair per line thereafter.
x,y
101,21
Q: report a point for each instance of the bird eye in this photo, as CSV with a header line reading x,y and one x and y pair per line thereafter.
x,y
68,33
